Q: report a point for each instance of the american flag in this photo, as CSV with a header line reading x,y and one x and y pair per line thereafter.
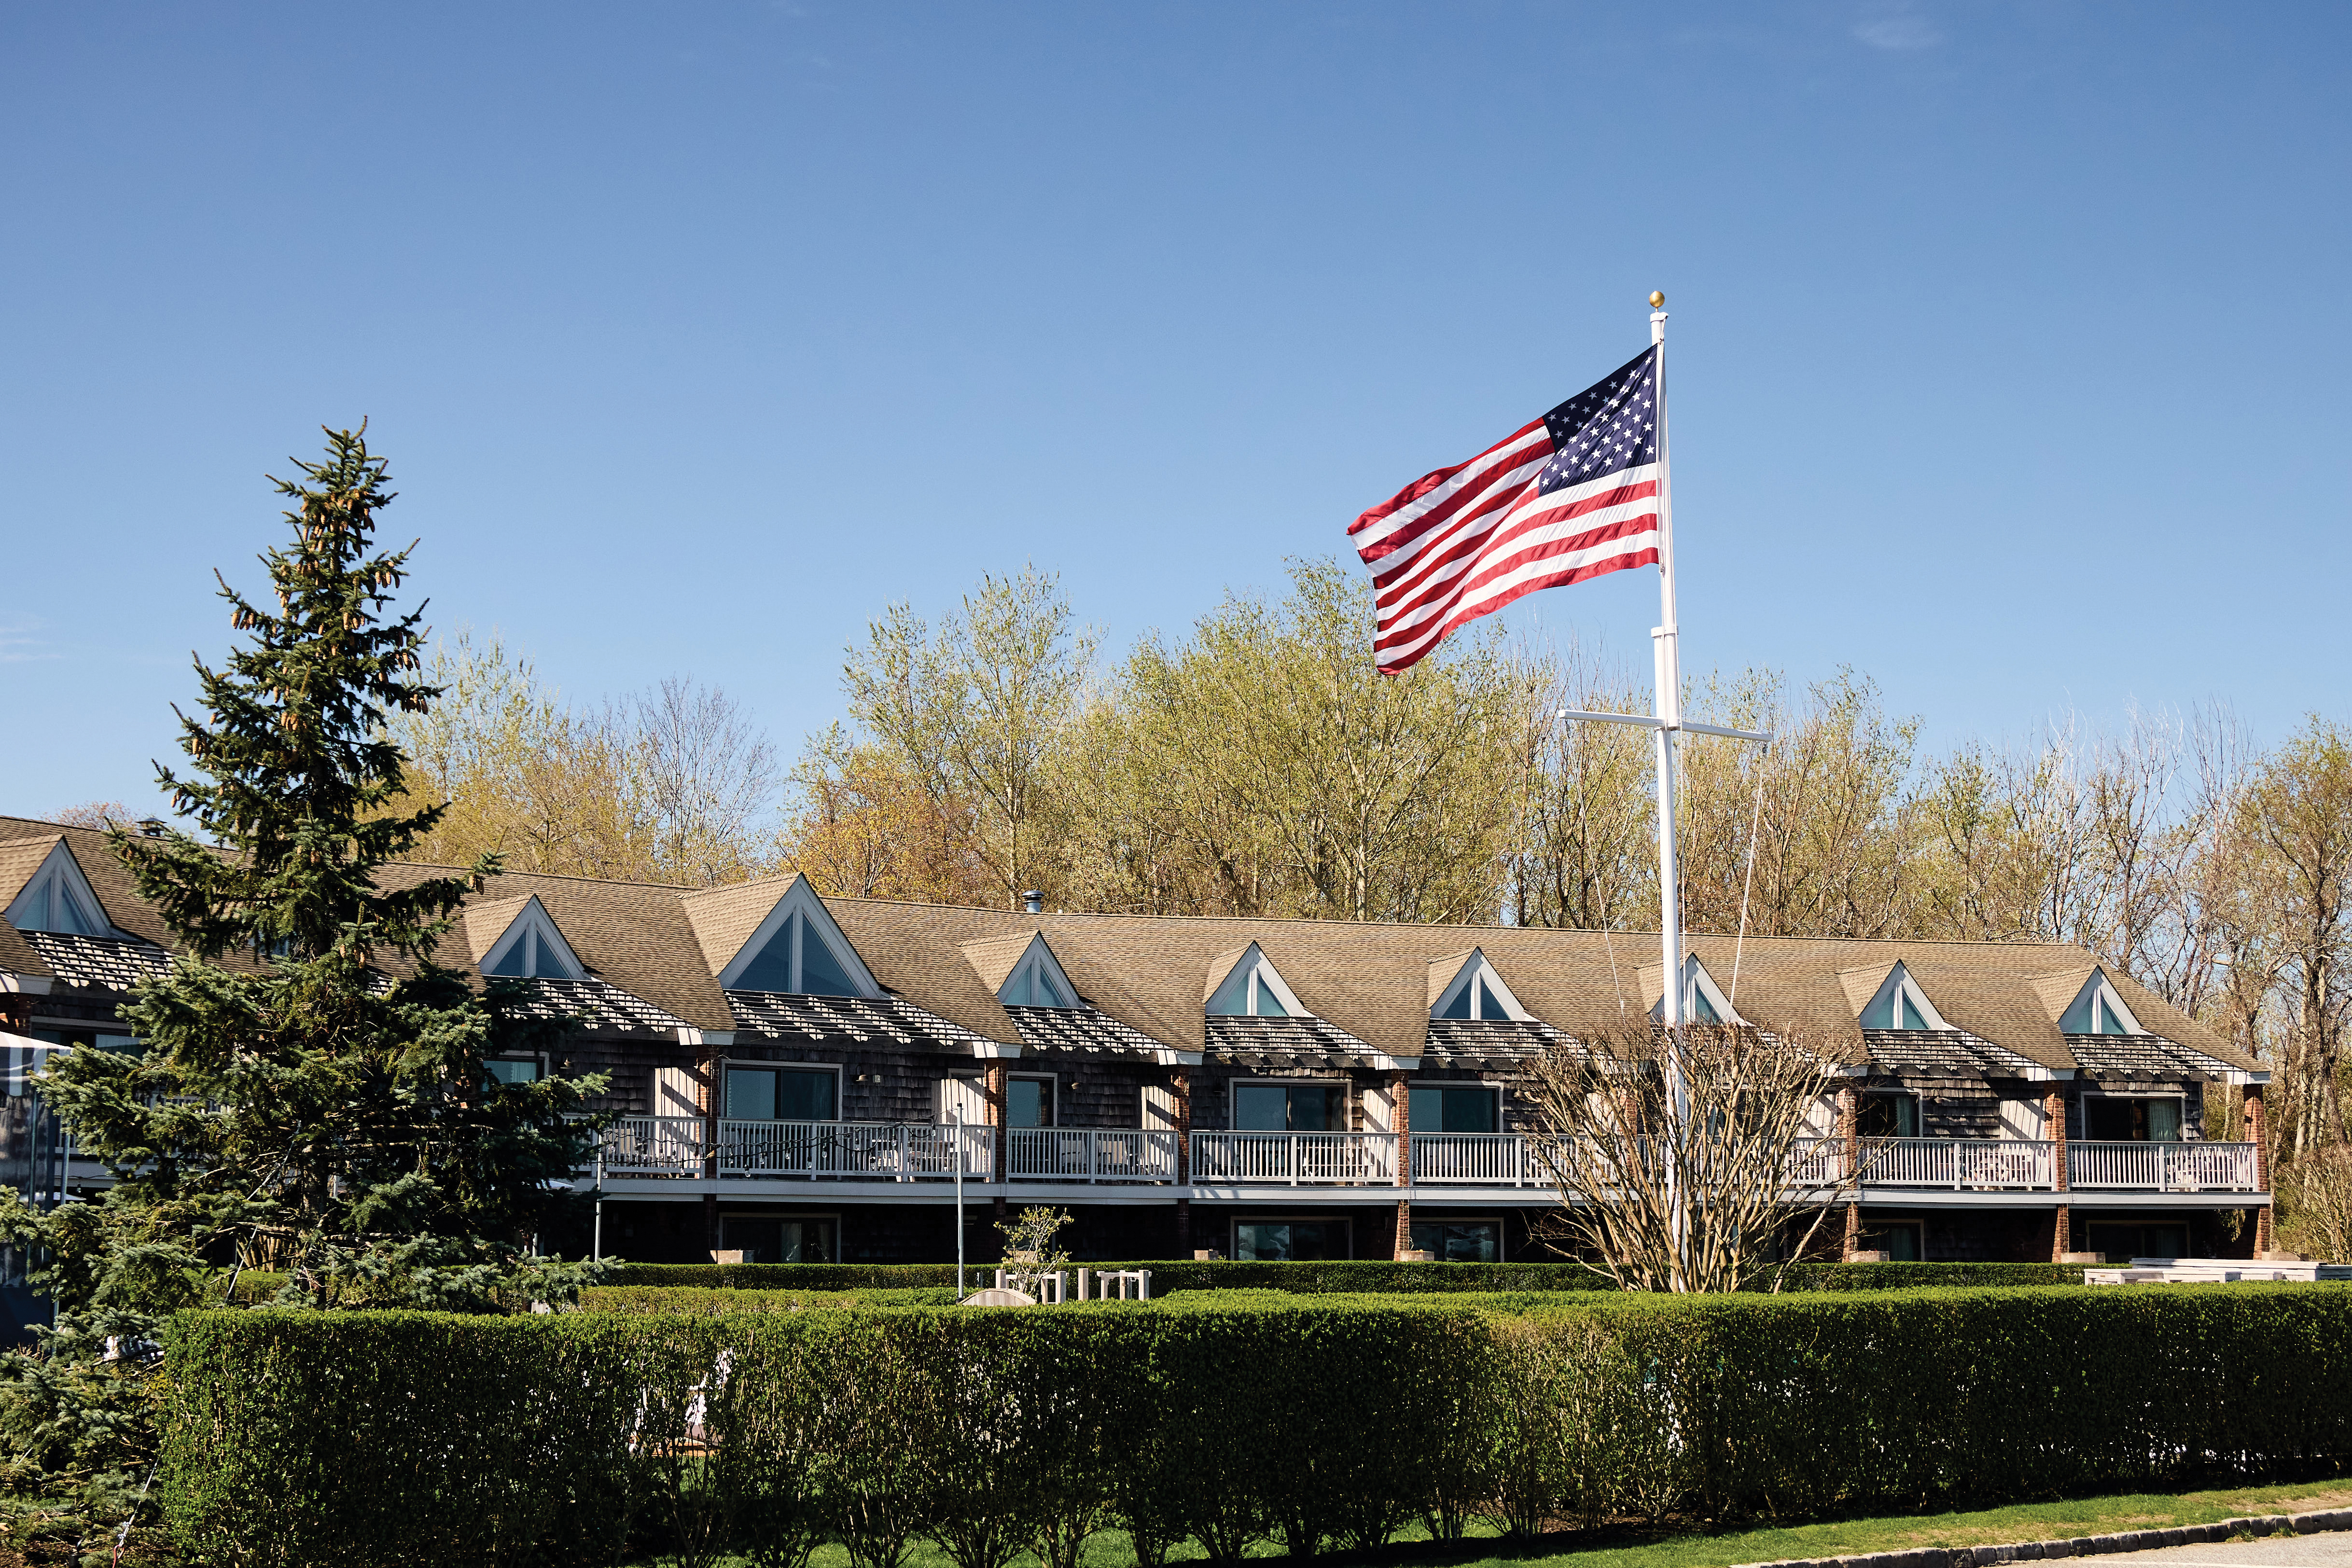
x,y
1571,496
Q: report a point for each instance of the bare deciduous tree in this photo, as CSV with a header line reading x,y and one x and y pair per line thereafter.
x,y
1689,1165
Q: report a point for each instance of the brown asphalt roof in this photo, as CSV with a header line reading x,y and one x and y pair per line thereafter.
x,y
666,944
16,955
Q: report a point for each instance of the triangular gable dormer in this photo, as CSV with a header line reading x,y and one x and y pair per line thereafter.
x,y
1470,988
1037,979
2097,1009
531,949
1703,1000
798,948
58,897
1899,1003
1249,987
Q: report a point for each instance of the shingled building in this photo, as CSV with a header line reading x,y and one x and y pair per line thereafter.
x,y
797,1077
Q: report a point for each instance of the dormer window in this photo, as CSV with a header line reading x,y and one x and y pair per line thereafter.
x,y
1038,981
2097,1009
1703,1001
1253,989
1476,992
1900,1004
798,957
532,950
58,898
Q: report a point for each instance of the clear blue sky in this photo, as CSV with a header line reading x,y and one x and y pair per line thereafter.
x,y
2008,341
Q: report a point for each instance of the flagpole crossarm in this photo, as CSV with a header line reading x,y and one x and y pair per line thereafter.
x,y
1645,722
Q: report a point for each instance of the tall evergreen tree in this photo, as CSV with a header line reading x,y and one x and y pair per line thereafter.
x,y
310,1096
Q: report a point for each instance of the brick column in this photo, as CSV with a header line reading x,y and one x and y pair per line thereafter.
x,y
2258,1135
707,1091
1181,1086
1401,1122
2055,1110
992,1092
1849,1132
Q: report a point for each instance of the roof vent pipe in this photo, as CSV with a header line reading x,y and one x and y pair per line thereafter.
x,y
1033,901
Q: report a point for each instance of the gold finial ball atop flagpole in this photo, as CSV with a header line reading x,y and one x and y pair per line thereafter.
x,y
1657,299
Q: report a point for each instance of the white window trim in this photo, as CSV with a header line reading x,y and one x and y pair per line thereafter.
x,y
1232,1228
538,1058
1501,1091
1053,1083
740,1064
1478,965
1035,956
59,878
1899,978
2101,993
534,926
1918,1107
1254,969
1318,1079
801,899
1697,982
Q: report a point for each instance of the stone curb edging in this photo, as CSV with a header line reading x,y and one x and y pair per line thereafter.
x,y
2082,1545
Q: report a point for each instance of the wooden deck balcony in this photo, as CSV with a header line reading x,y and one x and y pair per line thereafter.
x,y
909,1151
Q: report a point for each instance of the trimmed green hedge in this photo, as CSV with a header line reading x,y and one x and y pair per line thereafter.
x,y
708,1300
1316,1279
1228,1418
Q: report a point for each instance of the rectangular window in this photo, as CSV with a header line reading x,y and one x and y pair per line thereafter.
x,y
2123,1119
1029,1103
1889,1116
1899,1241
761,1240
2122,1243
512,1069
1459,1241
1455,1108
779,1095
1290,1241
1290,1108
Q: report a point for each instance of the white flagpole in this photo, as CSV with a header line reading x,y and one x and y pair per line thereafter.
x,y
1667,662
1669,721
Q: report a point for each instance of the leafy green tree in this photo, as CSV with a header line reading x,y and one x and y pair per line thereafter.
x,y
311,1096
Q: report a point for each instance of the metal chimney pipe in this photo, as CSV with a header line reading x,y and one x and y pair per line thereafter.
x,y
1033,901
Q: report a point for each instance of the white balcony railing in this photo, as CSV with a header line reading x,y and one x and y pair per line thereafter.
x,y
1998,1164
653,1145
886,1151
2163,1168
906,1151
1089,1154
1294,1159
1488,1159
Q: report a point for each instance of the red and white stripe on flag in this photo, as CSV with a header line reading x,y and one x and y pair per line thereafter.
x,y
1467,540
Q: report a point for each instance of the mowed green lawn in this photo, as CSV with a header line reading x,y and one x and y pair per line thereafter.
x,y
1845,1538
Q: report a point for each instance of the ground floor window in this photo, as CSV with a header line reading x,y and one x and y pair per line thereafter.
x,y
1459,1241
2134,1239
512,1069
1898,1238
763,1238
1290,1241
2120,1119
